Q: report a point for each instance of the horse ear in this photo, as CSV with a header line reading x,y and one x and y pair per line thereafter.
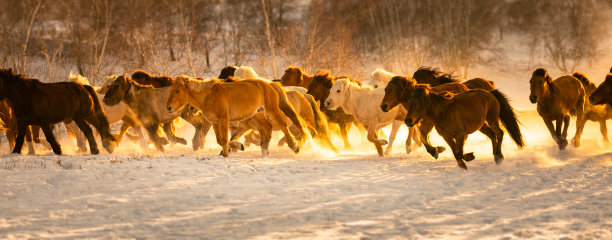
x,y
300,78
446,95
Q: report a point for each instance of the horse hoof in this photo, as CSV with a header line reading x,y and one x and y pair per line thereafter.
x,y
297,150
462,164
468,157
57,152
95,151
181,141
440,149
576,143
242,147
499,159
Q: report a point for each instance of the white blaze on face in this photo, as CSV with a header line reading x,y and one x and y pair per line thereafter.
x,y
336,95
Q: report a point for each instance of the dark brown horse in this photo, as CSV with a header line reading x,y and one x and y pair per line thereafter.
x,y
603,94
43,104
433,77
319,88
227,72
399,90
144,78
455,116
10,125
295,76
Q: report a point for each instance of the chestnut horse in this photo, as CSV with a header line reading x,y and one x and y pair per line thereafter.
x,y
455,116
227,72
43,104
319,88
592,112
245,99
295,76
433,77
399,90
603,93
556,101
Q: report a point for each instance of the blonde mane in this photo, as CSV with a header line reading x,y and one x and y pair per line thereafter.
x,y
194,83
246,72
77,78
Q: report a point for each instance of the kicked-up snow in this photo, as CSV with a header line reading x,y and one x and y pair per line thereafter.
x,y
538,192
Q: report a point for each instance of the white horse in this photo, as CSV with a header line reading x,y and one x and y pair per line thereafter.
x,y
380,78
246,72
363,104
113,113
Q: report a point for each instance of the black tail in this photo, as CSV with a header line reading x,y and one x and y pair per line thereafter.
x,y
102,124
508,118
320,123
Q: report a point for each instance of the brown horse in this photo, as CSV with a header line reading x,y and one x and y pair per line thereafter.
x,y
433,77
319,88
148,103
592,112
144,78
455,116
245,99
556,101
603,93
399,90
295,76
43,104
227,71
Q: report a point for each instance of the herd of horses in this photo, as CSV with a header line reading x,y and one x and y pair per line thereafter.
x,y
239,103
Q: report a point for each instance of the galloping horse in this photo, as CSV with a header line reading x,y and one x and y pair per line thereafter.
x,y
603,94
592,112
399,90
245,99
295,76
455,116
556,101
361,102
43,104
380,78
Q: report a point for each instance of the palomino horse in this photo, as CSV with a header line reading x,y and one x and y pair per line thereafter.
x,y
113,113
43,104
227,71
295,76
380,78
319,88
148,104
245,99
603,94
556,101
10,128
455,116
362,103
592,112
307,108
433,77
399,90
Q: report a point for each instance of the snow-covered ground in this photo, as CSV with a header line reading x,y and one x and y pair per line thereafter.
x,y
538,192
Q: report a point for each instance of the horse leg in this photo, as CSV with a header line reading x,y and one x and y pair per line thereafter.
x,y
566,121
22,129
157,140
78,134
93,146
200,134
169,130
457,146
10,136
553,132
221,128
265,133
100,123
604,131
580,122
279,120
425,129
373,138
51,139
496,135
394,128
344,133
417,137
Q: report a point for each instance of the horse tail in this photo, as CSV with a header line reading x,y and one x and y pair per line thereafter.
x,y
508,118
96,101
288,109
103,125
320,122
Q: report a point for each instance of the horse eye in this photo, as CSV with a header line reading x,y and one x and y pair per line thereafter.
x,y
375,86
338,91
177,91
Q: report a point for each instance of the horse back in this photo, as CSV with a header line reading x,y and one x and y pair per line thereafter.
x,y
241,99
569,91
52,102
450,87
479,83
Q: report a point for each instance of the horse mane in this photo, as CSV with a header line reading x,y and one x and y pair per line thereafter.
x,y
435,71
195,84
447,78
162,80
322,72
246,72
292,67
541,72
141,74
227,71
231,79
9,74
586,83
78,78
611,70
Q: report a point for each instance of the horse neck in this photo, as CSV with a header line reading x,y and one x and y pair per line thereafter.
x,y
13,90
348,102
438,108
196,96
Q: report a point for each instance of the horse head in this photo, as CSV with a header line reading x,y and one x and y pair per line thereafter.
x,y
117,90
227,72
426,75
396,90
538,84
603,93
337,94
293,76
179,94
320,85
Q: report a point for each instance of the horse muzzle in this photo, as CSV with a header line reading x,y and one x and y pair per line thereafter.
x,y
533,99
328,104
170,110
410,122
